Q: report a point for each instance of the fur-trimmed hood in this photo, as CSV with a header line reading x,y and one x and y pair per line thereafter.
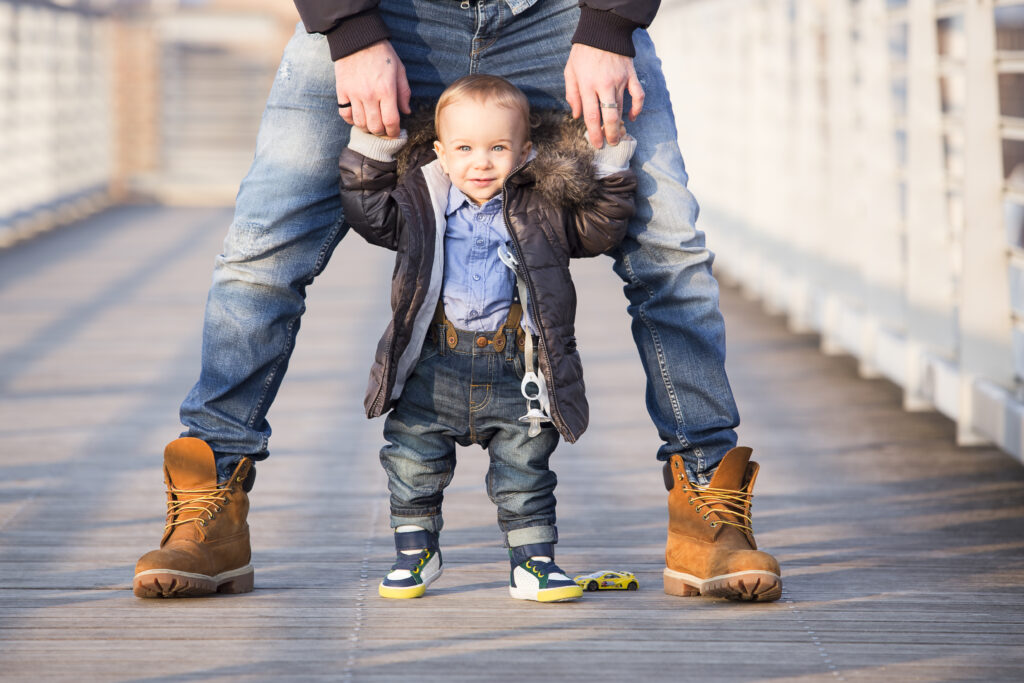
x,y
561,165
569,201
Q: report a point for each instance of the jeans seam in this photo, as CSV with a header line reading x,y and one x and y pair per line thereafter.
x,y
677,412
318,266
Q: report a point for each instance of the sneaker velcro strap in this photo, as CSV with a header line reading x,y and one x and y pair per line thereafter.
x,y
412,562
521,553
416,540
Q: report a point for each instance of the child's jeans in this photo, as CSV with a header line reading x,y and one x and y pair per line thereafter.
x,y
466,395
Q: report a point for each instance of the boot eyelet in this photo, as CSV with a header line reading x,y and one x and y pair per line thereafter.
x,y
212,517
691,501
202,522
714,524
217,509
705,516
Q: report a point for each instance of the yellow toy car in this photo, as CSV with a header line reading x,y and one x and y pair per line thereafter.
x,y
607,580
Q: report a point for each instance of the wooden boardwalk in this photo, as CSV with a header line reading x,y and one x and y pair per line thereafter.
x,y
902,555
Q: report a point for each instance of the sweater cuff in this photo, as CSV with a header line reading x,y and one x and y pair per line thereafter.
x,y
356,32
614,158
605,31
374,147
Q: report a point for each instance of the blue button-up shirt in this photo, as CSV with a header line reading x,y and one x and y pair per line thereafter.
x,y
478,287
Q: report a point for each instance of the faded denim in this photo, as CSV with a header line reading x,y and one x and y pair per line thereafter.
x,y
288,221
465,396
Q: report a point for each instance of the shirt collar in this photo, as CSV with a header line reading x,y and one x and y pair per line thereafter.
x,y
457,198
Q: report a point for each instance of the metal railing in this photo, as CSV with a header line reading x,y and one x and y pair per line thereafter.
x,y
860,167
56,114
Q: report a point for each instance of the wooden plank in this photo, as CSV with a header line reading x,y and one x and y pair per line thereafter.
x,y
903,555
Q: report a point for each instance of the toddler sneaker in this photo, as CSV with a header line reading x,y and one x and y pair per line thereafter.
x,y
418,564
535,576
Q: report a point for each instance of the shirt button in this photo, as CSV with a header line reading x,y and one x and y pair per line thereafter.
x,y
476,277
480,242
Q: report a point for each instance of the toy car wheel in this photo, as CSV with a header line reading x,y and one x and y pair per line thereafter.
x,y
631,586
592,586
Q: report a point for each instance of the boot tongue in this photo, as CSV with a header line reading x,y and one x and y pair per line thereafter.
x,y
732,470
189,464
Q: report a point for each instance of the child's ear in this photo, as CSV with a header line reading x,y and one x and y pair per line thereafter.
x,y
527,146
439,151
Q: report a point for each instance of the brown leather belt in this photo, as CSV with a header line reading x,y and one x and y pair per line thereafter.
x,y
451,335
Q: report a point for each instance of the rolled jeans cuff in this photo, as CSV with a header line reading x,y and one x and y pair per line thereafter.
x,y
529,535
431,523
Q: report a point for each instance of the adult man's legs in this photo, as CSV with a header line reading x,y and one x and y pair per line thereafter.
x,y
677,326
287,222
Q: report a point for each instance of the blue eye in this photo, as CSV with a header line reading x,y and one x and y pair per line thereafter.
x,y
498,148
463,148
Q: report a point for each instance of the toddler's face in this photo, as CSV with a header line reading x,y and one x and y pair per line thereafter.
x,y
479,144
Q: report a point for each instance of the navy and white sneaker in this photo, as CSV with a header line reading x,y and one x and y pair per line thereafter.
x,y
535,576
412,573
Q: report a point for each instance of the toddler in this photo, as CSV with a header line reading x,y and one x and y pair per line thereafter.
x,y
485,208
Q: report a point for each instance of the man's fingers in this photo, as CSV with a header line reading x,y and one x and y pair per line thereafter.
x,y
592,117
636,94
389,117
345,112
572,93
611,105
404,92
374,122
358,115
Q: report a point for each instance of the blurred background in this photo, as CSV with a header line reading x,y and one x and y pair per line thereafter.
x,y
859,163
120,100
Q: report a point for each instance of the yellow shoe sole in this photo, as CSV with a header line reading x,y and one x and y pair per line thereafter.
x,y
547,594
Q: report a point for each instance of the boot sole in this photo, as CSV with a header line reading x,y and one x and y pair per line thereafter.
x,y
748,586
171,583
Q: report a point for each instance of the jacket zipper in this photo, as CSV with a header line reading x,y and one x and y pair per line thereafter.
x,y
555,414
378,399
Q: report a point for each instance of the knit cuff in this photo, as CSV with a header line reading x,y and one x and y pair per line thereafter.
x,y
375,147
614,158
356,32
605,31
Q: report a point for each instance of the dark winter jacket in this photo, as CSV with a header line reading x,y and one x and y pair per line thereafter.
x,y
555,208
351,25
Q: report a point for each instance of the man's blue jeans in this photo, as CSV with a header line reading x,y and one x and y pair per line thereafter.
x,y
469,395
288,221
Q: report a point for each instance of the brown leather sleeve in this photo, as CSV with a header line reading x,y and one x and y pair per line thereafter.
x,y
366,197
600,227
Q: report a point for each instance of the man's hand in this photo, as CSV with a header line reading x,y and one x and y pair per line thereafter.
x,y
594,78
373,82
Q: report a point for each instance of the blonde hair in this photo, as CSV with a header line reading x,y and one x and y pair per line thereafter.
x,y
484,88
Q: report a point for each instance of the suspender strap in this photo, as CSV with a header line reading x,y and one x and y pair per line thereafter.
x,y
512,322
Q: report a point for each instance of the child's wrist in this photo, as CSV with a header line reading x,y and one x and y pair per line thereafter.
x,y
376,147
614,158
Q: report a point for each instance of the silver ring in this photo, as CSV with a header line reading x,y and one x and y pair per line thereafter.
x,y
609,105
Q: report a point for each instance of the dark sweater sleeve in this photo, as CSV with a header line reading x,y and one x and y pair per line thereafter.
x,y
609,24
350,25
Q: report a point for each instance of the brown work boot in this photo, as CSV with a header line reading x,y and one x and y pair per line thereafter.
x,y
205,548
711,549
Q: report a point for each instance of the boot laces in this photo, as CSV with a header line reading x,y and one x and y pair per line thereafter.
x,y
209,501
730,504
